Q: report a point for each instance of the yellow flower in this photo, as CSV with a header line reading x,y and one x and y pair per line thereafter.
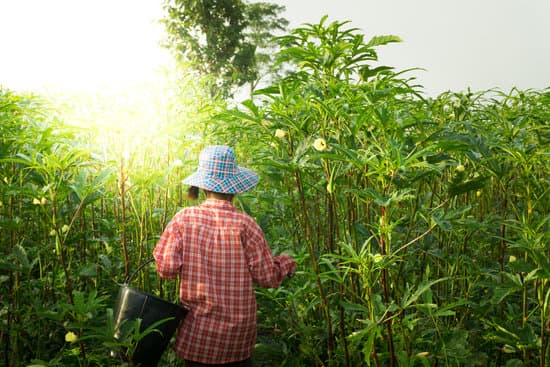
x,y
71,337
377,258
65,228
280,133
460,168
320,144
42,201
478,193
513,259
1,204
52,232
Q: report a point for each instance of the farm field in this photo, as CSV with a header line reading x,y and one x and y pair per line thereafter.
x,y
420,224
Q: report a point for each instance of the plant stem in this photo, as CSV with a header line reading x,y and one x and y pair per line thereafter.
x,y
385,251
123,219
315,264
11,290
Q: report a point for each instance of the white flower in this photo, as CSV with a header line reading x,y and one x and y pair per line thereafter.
x,y
65,228
280,133
52,232
36,201
320,144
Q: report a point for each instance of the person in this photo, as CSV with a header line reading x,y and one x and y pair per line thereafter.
x,y
220,253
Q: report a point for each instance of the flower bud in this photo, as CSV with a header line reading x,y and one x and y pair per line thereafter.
x,y
329,188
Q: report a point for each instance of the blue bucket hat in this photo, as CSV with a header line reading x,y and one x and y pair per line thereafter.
x,y
218,172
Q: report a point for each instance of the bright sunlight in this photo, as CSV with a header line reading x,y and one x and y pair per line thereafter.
x,y
101,64
76,45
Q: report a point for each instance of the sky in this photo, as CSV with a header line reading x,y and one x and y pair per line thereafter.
x,y
477,44
79,45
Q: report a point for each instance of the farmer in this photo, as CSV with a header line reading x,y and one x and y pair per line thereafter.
x,y
219,253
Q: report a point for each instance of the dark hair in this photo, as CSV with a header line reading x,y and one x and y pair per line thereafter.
x,y
193,193
219,195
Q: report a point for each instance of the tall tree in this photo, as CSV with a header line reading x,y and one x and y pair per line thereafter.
x,y
263,19
223,39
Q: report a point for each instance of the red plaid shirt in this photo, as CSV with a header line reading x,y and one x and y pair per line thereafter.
x,y
220,253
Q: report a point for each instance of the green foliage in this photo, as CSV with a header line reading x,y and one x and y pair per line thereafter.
x,y
225,40
420,225
73,224
406,210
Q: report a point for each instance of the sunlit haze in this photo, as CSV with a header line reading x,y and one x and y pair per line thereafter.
x,y
79,45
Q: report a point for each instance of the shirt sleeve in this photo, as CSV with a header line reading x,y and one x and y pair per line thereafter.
x,y
168,251
267,271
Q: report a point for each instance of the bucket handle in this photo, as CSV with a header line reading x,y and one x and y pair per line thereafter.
x,y
131,276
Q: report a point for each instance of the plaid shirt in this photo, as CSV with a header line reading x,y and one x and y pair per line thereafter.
x,y
220,253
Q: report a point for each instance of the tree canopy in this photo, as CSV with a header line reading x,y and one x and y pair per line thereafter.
x,y
223,39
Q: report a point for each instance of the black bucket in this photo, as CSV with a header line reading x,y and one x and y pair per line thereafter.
x,y
133,304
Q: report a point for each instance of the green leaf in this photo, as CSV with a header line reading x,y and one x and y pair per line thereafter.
x,y
514,363
383,40
460,187
21,255
88,271
499,293
410,298
366,72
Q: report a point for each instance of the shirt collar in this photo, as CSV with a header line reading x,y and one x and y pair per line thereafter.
x,y
218,204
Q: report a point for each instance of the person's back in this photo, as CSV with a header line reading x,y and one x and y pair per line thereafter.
x,y
220,253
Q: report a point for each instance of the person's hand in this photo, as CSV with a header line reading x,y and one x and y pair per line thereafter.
x,y
292,270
